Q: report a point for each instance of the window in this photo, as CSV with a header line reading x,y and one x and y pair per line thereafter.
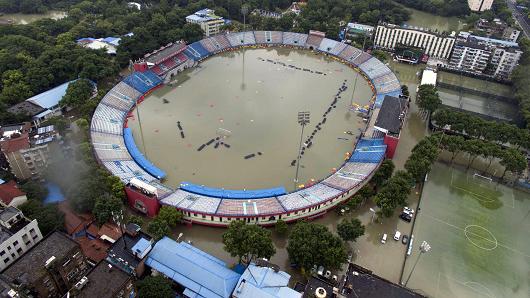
x,y
13,255
6,260
15,243
19,250
8,247
2,253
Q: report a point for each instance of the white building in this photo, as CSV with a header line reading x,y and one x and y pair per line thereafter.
x,y
470,56
209,22
504,60
360,28
388,36
17,235
479,5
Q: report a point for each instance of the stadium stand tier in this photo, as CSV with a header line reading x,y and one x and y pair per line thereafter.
x,y
115,148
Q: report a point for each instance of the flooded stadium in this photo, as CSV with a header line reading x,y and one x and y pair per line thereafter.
x,y
232,121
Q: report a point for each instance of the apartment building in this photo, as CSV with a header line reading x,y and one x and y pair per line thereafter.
x,y
50,268
17,235
479,5
209,22
438,45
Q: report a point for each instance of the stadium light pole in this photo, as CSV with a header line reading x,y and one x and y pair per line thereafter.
x,y
140,125
424,248
303,120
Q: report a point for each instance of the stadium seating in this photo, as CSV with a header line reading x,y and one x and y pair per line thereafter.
x,y
196,51
241,38
374,68
222,41
143,81
250,207
304,198
191,202
350,175
386,83
169,64
361,58
327,45
109,147
276,37
107,120
164,53
210,45
156,69
369,151
294,39
338,48
126,170
313,41
180,58
350,53
118,101
143,162
261,36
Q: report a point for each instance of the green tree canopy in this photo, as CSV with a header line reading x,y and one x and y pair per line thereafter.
x,y
313,244
77,93
48,216
104,207
158,228
350,229
281,227
170,215
248,242
155,287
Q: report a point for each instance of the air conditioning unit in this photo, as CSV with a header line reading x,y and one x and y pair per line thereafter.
x,y
80,284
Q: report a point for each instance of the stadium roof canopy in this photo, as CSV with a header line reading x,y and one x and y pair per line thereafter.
x,y
202,275
390,115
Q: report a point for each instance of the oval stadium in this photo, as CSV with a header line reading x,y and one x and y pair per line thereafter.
x,y
211,129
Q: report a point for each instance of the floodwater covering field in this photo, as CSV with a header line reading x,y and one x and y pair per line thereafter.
x,y
238,115
479,234
430,21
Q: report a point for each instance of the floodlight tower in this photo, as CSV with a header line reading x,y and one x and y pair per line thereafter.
x,y
303,120
424,248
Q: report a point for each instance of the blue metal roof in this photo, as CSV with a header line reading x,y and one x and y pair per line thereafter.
x,y
197,271
232,194
263,282
50,98
141,245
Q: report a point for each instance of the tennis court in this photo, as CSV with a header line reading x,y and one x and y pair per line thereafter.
x,y
479,232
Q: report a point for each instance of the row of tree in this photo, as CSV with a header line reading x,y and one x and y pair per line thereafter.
x,y
521,81
479,128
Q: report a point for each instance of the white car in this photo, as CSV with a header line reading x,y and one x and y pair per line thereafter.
x,y
397,235
383,239
408,211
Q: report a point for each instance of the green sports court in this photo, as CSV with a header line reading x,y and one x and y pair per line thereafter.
x,y
479,233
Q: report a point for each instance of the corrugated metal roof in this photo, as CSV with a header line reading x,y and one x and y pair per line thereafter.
x,y
194,269
263,282
50,98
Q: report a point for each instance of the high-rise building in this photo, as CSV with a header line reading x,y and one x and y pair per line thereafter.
x,y
209,22
389,36
479,5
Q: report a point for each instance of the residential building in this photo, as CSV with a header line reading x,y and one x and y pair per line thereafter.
x,y
129,252
356,28
262,279
109,44
103,281
358,282
266,14
470,56
27,157
11,195
50,268
511,34
389,36
479,5
496,28
17,235
209,22
200,274
487,56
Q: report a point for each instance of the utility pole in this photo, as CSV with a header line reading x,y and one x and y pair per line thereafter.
x,y
424,248
303,120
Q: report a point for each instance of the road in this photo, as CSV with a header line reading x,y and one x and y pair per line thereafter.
x,y
519,17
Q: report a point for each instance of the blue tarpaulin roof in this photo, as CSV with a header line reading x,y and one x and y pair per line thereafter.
x,y
197,271
232,194
139,157
50,98
54,193
263,282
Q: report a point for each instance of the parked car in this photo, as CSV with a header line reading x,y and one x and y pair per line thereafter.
x,y
383,239
408,210
405,217
405,239
397,235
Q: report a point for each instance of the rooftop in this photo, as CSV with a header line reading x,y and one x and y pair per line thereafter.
x,y
204,15
49,99
103,281
201,274
14,143
127,256
30,266
361,282
264,282
390,115
9,191
25,107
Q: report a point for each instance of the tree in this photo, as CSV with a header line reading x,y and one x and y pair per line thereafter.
x,y
248,242
135,219
428,98
350,229
405,90
513,160
158,228
383,173
281,227
77,93
104,207
313,244
34,190
453,144
155,287
48,217
170,215
473,147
